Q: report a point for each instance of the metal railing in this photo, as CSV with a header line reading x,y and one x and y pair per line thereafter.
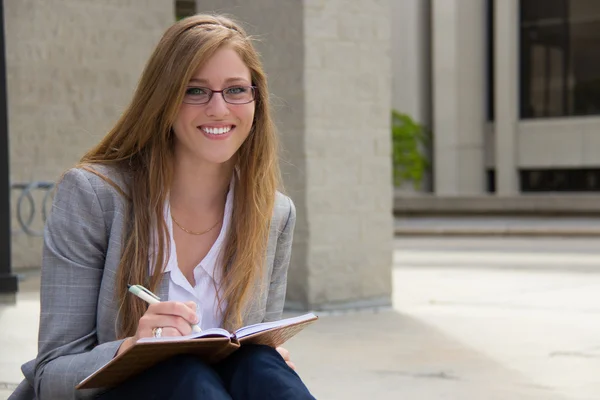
x,y
26,209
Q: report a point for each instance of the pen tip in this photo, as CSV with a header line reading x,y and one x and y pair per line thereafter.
x,y
128,286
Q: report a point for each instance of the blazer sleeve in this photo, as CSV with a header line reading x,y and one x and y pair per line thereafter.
x,y
281,262
75,242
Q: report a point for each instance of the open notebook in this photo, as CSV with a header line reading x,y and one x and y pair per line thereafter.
x,y
212,345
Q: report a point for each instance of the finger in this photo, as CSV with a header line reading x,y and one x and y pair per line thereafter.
x,y
145,326
169,331
284,353
149,322
192,305
177,308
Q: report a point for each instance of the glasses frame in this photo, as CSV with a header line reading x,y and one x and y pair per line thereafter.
x,y
211,93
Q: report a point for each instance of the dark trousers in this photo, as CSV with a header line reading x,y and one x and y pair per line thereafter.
x,y
252,372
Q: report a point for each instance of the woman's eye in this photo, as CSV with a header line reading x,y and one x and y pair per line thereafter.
x,y
236,90
195,91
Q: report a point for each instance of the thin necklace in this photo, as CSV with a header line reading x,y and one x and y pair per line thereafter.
x,y
192,232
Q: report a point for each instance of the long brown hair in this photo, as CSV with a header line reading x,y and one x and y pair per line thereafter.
x,y
141,143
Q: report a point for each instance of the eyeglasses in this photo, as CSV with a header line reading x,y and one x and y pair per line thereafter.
x,y
231,95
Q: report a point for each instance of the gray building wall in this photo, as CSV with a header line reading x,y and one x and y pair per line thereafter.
x,y
411,58
411,71
71,69
348,150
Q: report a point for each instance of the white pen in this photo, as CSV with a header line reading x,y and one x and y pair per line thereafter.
x,y
151,298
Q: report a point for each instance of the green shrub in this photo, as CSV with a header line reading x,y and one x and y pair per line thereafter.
x,y
409,141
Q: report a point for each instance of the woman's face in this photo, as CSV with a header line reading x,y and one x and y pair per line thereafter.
x,y
212,132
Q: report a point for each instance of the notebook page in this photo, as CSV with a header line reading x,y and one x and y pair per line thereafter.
x,y
212,332
252,329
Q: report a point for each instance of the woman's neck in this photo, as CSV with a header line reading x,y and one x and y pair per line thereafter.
x,y
198,188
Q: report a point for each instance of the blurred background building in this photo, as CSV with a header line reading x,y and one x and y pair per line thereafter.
x,y
510,90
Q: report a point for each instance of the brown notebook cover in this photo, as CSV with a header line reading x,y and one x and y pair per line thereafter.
x,y
147,353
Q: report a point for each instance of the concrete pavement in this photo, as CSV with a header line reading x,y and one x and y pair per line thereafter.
x,y
473,318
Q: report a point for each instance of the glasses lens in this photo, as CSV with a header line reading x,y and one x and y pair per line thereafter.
x,y
239,94
196,95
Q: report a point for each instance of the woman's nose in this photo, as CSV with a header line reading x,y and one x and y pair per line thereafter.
x,y
217,107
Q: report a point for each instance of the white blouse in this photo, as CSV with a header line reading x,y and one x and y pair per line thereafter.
x,y
207,274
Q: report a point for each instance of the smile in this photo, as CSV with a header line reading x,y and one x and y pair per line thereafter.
x,y
217,130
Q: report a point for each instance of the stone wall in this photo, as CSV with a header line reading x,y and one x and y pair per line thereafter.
x,y
347,136
72,66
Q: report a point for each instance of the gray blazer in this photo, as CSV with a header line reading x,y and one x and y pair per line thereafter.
x,y
82,248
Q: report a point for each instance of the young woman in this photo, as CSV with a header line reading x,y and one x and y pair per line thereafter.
x,y
180,196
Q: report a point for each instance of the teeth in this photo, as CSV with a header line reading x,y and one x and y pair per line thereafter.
x,y
217,131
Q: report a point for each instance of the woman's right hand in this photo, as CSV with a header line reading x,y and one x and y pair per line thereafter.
x,y
174,317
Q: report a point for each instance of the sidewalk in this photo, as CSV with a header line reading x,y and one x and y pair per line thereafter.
x,y
455,332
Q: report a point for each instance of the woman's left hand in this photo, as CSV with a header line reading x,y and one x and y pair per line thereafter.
x,y
286,356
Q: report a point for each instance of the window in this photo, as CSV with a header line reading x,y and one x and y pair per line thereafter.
x,y
560,180
490,180
559,58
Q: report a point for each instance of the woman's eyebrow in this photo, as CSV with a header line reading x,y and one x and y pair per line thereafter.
x,y
227,81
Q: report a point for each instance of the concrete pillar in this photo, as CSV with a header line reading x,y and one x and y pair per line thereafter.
x,y
72,67
411,59
329,68
411,68
506,99
459,67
